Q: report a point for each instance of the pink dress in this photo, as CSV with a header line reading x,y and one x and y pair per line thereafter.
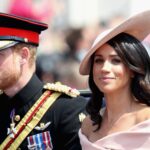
x,y
136,138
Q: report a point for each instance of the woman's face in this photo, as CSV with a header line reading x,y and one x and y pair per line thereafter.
x,y
109,72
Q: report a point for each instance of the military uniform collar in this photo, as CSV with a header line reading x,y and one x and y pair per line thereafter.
x,y
5,103
28,93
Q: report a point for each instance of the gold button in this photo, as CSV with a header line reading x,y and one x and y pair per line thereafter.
x,y
17,118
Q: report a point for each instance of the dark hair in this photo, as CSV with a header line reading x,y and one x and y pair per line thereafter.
x,y
136,58
72,39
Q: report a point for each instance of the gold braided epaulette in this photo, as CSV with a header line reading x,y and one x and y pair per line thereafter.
x,y
62,88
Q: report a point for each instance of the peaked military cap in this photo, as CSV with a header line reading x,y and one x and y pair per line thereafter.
x,y
15,29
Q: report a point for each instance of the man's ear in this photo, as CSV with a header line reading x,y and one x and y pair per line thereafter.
x,y
25,54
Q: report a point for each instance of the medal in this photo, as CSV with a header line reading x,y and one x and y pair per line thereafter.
x,y
12,130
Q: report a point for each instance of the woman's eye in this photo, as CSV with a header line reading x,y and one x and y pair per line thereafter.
x,y
116,61
98,60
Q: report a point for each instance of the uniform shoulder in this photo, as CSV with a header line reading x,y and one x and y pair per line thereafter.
x,y
86,126
58,87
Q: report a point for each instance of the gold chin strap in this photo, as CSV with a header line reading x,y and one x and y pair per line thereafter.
x,y
24,127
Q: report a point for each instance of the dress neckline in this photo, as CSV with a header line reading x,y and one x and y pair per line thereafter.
x,y
138,125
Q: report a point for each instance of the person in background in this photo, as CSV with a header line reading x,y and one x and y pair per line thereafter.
x,y
76,44
41,10
46,67
118,66
33,115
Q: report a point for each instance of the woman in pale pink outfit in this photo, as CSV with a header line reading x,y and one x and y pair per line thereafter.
x,y
118,66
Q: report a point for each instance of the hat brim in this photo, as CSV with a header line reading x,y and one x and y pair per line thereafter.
x,y
137,26
6,44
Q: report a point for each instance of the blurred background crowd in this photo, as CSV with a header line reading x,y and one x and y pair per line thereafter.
x,y
73,25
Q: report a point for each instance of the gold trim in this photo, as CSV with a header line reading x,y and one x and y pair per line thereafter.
x,y
58,87
30,126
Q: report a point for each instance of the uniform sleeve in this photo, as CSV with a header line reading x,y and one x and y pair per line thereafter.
x,y
67,115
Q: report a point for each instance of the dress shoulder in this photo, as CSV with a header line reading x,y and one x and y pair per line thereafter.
x,y
143,114
86,126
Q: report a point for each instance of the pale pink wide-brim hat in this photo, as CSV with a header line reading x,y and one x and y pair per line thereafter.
x,y
137,25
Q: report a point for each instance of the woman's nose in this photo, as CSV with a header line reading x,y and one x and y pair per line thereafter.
x,y
106,66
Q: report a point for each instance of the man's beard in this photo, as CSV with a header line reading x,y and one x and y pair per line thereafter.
x,y
8,78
